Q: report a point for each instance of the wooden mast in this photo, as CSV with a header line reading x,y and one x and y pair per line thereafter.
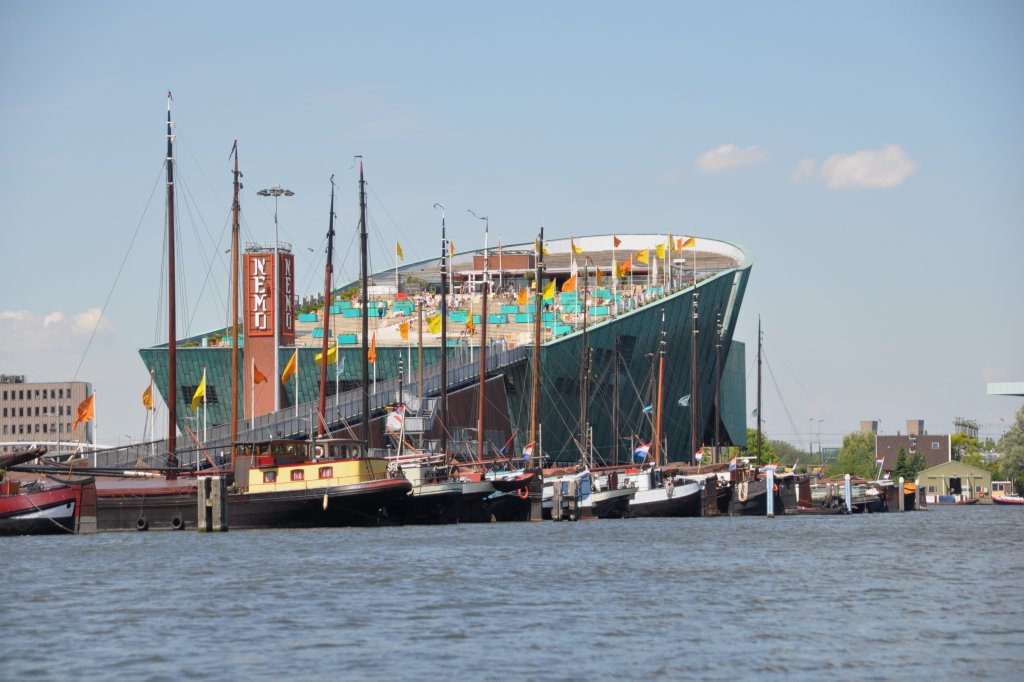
x,y
328,271
235,208
694,388
172,356
442,407
535,399
585,369
661,377
759,391
365,301
483,345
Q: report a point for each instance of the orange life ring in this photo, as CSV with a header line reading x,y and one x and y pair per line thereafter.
x,y
523,493
775,488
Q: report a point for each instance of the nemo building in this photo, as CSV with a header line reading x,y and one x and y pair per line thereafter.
x,y
621,317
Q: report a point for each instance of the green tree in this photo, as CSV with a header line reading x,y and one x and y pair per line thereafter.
x,y
789,454
915,465
901,466
767,451
856,456
1011,463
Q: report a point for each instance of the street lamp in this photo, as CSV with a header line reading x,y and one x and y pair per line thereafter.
x,y
277,191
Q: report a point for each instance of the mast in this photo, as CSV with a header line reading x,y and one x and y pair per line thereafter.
x,y
172,355
615,404
661,378
365,301
535,400
483,343
328,271
585,367
442,407
759,390
718,383
694,388
235,208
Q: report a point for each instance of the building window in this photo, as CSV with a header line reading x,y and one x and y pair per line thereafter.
x,y
37,394
37,410
5,411
21,428
298,475
270,477
60,392
21,411
935,446
5,429
21,394
977,488
931,488
44,428
997,486
326,472
46,393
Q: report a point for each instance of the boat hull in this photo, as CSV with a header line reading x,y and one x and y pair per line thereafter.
x,y
46,512
1009,500
612,504
681,500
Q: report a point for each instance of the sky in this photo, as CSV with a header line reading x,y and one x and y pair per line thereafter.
x,y
867,153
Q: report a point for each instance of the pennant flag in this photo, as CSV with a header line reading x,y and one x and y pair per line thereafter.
x,y
549,290
572,245
521,298
625,267
199,394
539,247
398,251
470,326
451,248
395,418
684,401
403,330
641,452
660,250
289,369
147,397
689,243
732,464
616,241
879,461
86,411
649,409
569,285
528,450
668,244
332,356
371,355
699,455
434,324
642,256
258,377
600,278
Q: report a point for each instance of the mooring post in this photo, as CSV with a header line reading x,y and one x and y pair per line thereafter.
x,y
770,493
848,490
903,502
212,512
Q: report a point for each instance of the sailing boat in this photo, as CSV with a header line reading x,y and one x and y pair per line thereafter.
x,y
661,493
439,495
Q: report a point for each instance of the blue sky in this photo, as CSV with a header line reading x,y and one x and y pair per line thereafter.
x,y
867,153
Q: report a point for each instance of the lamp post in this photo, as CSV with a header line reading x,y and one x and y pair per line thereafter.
x,y
277,191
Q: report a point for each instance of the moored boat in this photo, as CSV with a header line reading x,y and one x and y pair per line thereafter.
x,y
1009,500
41,506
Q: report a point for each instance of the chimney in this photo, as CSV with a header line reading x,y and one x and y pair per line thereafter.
x,y
915,427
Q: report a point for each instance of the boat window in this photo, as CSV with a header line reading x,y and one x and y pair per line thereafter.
x,y
270,477
326,472
298,475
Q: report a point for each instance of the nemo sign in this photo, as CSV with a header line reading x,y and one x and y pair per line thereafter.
x,y
261,305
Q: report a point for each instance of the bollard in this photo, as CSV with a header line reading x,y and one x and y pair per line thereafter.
x,y
212,500
556,500
847,488
770,493
903,502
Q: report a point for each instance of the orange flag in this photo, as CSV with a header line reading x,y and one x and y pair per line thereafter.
x,y
690,243
521,298
470,327
616,241
403,329
600,277
625,267
86,411
569,285
371,355
147,397
258,377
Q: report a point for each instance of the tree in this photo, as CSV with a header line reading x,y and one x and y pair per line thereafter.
x,y
767,451
856,456
901,466
1011,464
788,454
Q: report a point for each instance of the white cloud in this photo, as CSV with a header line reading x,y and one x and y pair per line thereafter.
x,y
868,168
805,170
22,330
730,156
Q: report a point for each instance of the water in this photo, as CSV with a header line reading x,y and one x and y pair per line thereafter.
x,y
932,595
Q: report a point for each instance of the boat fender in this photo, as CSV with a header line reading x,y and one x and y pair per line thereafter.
x,y
392,467
775,488
741,492
177,523
523,493
319,451
142,523
669,487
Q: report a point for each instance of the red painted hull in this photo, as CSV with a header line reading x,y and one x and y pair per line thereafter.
x,y
39,513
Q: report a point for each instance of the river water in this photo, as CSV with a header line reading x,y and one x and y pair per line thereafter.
x,y
924,595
